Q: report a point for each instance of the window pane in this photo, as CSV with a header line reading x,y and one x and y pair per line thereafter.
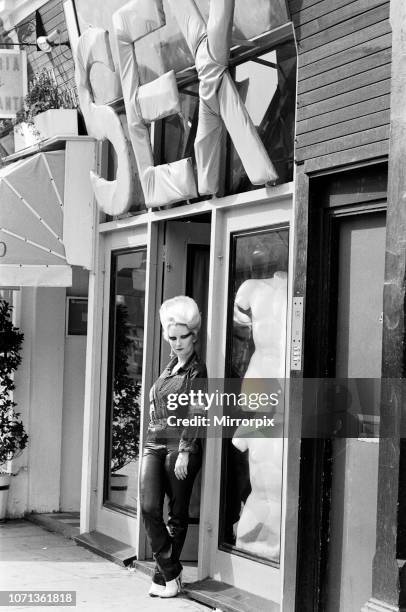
x,y
267,86
179,131
138,200
125,370
252,462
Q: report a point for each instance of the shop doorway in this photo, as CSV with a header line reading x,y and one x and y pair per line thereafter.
x,y
339,472
186,254
186,262
122,382
360,258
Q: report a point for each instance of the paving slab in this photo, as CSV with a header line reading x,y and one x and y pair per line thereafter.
x,y
32,559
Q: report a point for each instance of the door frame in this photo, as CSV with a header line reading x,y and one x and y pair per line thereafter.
x,y
175,262
253,216
321,199
113,521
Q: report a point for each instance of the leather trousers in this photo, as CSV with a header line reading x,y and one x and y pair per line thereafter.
x,y
157,479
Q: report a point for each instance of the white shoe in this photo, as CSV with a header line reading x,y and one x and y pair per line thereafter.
x,y
156,590
173,587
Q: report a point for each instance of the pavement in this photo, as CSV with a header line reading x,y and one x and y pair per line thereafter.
x,y
33,559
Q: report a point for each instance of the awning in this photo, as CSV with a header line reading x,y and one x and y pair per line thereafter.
x,y
31,222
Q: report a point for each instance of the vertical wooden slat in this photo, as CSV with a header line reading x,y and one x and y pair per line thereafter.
x,y
292,550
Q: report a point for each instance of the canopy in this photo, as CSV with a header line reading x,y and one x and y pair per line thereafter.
x,y
31,222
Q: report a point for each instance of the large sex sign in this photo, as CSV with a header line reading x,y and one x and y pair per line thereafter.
x,y
219,101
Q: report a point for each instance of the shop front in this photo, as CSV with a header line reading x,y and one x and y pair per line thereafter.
x,y
281,215
233,257
228,243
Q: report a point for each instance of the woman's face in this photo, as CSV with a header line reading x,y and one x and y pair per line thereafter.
x,y
181,341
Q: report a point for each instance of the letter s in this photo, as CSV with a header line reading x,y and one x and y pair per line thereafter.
x,y
113,197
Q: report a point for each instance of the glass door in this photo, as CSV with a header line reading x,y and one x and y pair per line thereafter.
x,y
186,269
186,255
246,450
122,384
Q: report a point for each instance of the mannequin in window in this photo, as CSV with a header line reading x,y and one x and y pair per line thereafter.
x,y
260,305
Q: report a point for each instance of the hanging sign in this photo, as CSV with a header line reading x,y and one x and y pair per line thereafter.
x,y
13,82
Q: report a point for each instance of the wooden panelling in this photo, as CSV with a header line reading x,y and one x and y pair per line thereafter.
x,y
375,41
369,77
317,11
350,141
340,101
365,34
333,131
344,77
51,12
315,125
340,73
349,156
300,5
331,30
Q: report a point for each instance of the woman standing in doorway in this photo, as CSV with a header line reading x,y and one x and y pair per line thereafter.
x,y
173,454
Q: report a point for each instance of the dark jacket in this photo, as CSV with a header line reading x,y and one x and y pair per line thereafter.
x,y
193,375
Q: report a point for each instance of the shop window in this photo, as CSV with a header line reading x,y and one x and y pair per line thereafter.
x,y
178,132
250,509
124,377
267,85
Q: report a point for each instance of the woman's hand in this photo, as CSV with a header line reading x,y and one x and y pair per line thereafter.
x,y
181,465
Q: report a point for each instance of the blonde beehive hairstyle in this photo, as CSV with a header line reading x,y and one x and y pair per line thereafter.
x,y
180,310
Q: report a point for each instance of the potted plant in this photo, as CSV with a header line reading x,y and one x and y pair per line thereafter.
x,y
49,110
125,426
13,438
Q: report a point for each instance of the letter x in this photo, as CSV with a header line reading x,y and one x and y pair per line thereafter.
x,y
219,98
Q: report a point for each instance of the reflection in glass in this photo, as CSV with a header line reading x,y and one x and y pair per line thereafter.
x,y
126,350
250,512
180,130
267,86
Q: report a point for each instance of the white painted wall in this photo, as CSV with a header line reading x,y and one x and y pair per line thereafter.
x,y
39,394
45,422
50,397
72,422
